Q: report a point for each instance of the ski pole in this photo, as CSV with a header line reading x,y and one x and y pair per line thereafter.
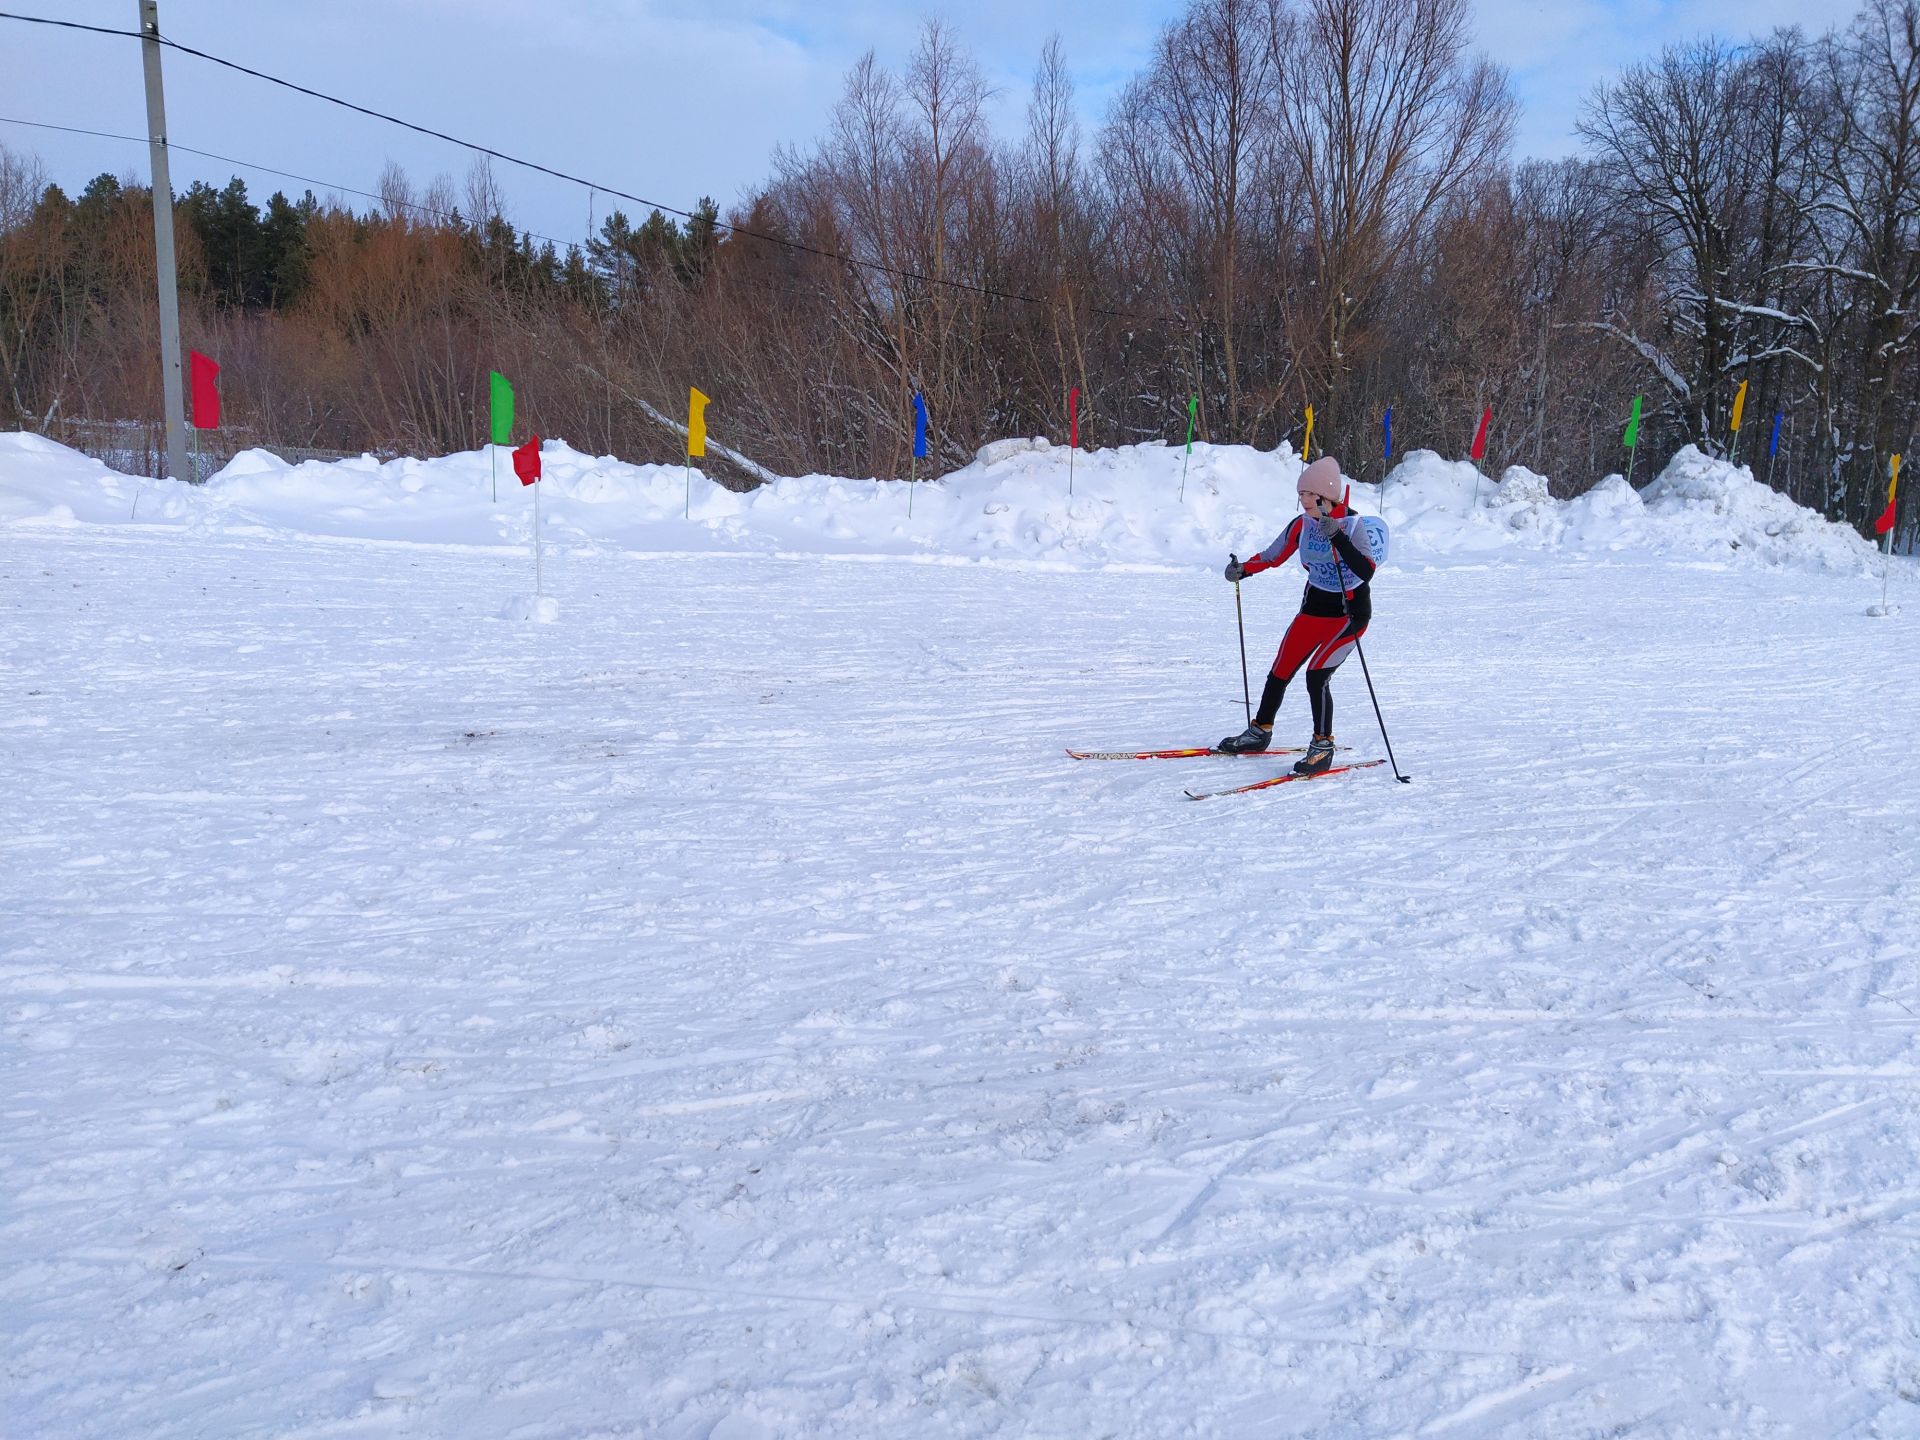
x,y
1239,611
1360,650
1246,687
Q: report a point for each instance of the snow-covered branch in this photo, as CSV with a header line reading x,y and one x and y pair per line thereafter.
x,y
1648,352
725,452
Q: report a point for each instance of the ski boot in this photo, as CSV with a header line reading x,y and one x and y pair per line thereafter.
x,y
1318,759
1250,741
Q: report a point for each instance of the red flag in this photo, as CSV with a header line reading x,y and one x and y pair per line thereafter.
x,y
206,392
1073,418
1885,522
526,461
1479,451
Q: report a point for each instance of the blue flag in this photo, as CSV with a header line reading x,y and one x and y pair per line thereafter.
x,y
919,427
1386,431
1774,443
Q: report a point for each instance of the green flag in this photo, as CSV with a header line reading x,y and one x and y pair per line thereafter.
x,y
501,395
1193,413
1632,437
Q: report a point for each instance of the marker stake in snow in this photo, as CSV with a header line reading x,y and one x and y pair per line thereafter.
x,y
500,422
919,448
1884,526
204,390
696,442
1193,414
1739,406
526,464
1073,433
1479,453
1631,439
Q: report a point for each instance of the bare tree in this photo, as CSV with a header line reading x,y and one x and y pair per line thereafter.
x,y
1874,74
1666,133
1055,200
1210,93
1386,119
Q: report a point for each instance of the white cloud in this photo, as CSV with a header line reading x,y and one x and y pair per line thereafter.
x,y
1558,52
669,99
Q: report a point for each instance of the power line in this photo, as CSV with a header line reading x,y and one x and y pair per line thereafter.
x,y
442,215
534,165
68,24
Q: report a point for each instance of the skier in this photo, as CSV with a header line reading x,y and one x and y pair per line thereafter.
x,y
1340,551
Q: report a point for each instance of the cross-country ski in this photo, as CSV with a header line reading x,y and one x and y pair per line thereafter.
x,y
1192,752
1287,779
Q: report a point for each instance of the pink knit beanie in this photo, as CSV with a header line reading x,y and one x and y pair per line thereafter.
x,y
1322,478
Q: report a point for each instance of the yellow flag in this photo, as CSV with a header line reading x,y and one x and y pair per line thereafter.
x,y
1306,449
696,423
1739,404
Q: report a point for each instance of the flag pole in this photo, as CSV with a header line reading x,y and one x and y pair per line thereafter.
x,y
1886,556
686,508
1073,433
539,585
913,482
493,453
1733,421
1193,413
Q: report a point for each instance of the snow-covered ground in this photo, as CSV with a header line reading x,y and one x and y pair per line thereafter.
x,y
724,1012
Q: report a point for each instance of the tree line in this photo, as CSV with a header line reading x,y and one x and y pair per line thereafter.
x,y
1293,203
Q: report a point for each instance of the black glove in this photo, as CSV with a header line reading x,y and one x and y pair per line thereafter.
x,y
1234,571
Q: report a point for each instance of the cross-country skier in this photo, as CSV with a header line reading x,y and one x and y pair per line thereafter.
x,y
1340,551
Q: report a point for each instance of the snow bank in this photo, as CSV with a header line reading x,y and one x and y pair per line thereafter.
x,y
1699,508
1011,504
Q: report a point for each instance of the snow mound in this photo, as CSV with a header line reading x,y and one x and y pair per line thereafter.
x,y
49,484
1699,508
1020,501
1715,505
535,609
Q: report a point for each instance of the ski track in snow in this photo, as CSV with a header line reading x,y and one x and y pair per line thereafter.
x,y
725,1012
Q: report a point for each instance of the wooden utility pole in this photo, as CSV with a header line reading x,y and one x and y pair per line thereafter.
x,y
172,387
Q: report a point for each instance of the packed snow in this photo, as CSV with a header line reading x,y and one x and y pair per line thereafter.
x,y
722,1011
1020,501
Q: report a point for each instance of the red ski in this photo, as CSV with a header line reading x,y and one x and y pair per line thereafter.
x,y
1189,753
1286,779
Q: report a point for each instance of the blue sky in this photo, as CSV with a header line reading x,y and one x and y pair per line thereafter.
x,y
665,98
